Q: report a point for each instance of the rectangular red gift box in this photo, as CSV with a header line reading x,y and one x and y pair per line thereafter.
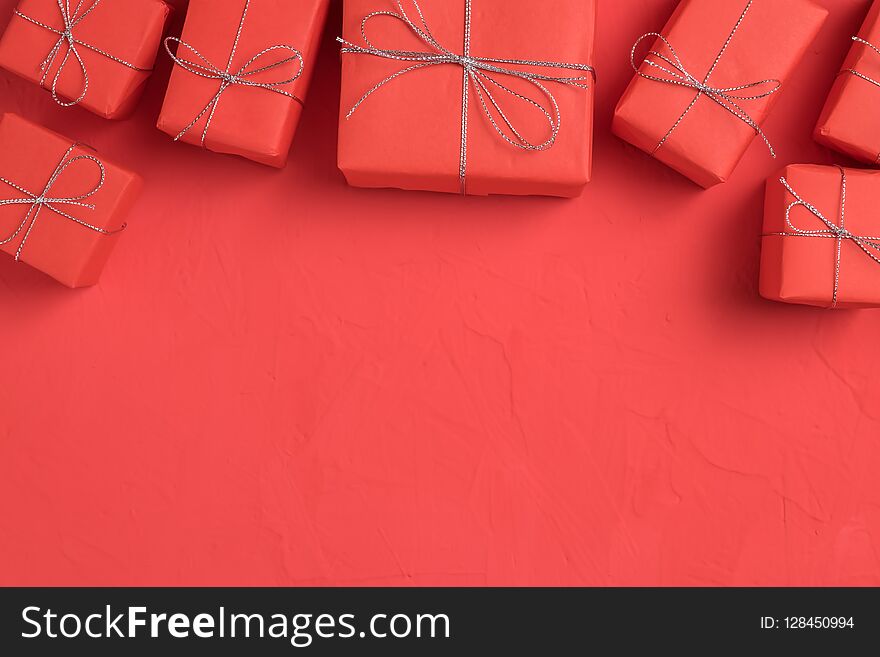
x,y
436,127
821,244
718,74
115,46
70,234
850,121
242,71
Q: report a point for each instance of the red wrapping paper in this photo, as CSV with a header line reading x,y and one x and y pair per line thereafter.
x,y
251,122
72,254
801,269
128,29
408,135
850,121
709,141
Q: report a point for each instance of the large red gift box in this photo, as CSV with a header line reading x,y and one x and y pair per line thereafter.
x,y
710,80
850,121
242,71
61,206
474,96
821,244
104,68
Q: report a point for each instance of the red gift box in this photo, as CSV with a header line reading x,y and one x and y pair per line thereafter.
x,y
474,96
61,207
95,53
821,244
850,121
710,80
242,71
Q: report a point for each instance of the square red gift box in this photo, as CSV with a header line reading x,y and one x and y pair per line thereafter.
x,y
710,80
93,53
242,69
467,96
850,121
61,206
821,244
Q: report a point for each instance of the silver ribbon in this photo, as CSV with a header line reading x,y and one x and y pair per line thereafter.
x,y
857,73
868,244
228,78
38,202
479,72
861,75
71,18
726,97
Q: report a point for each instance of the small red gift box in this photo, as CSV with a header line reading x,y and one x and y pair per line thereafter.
x,y
467,96
94,53
821,244
241,75
850,122
61,207
709,81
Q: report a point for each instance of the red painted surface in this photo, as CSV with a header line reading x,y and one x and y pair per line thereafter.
x,y
282,380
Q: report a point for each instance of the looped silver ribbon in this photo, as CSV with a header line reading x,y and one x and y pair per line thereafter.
x,y
38,202
71,18
858,74
203,67
674,72
870,245
480,72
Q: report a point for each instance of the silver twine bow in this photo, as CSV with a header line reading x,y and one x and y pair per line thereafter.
x,y
70,19
228,78
728,98
870,245
479,72
38,202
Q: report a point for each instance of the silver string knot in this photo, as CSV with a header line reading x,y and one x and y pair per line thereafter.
x,y
36,202
70,19
481,73
671,70
870,245
203,67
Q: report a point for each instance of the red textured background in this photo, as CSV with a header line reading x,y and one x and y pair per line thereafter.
x,y
282,380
